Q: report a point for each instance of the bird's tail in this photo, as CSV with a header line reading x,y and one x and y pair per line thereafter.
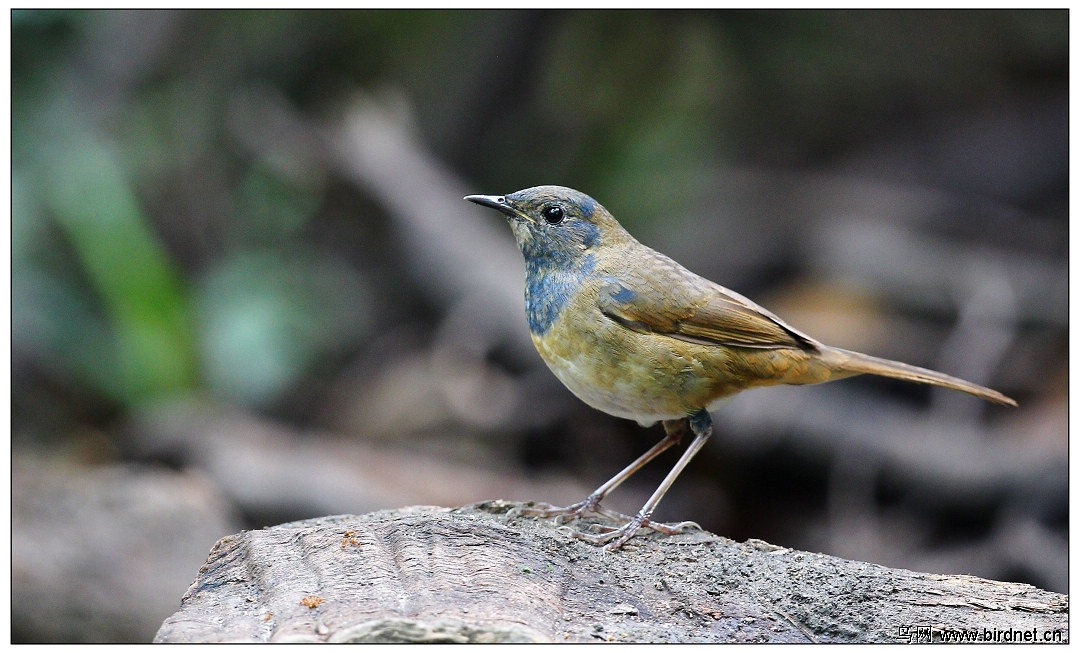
x,y
849,363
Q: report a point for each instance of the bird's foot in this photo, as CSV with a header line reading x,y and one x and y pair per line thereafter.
x,y
576,511
614,537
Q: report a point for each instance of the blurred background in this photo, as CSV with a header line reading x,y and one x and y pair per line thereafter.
x,y
245,288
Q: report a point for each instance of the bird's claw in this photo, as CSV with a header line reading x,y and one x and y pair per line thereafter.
x,y
561,515
673,529
613,536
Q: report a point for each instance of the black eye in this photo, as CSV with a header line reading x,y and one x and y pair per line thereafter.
x,y
553,213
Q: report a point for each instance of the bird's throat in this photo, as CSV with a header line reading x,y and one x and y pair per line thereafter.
x,y
549,287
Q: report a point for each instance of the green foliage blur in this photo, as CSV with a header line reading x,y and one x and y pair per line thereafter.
x,y
155,253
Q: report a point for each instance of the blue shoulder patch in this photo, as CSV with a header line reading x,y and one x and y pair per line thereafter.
x,y
621,293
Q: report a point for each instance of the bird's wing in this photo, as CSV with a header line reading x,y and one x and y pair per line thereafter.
x,y
675,302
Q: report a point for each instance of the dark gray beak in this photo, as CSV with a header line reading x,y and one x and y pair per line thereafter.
x,y
497,202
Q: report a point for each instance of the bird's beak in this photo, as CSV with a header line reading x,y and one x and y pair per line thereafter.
x,y
497,202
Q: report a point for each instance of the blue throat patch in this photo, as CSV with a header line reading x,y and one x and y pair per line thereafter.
x,y
548,289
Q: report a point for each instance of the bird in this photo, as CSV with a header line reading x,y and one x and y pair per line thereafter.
x,y
634,334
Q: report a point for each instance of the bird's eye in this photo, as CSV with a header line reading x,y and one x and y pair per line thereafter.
x,y
553,213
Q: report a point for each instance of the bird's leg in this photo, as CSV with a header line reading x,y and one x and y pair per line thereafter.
x,y
701,425
673,429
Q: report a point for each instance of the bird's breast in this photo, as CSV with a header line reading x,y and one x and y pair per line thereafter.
x,y
644,377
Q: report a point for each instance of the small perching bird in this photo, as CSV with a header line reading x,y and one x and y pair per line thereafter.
x,y
636,335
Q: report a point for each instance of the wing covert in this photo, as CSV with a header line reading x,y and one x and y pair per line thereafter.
x,y
696,310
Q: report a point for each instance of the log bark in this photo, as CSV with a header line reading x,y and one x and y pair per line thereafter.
x,y
483,573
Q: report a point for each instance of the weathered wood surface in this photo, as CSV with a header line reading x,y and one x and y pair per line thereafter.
x,y
479,574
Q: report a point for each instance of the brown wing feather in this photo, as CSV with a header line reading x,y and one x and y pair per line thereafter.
x,y
725,322
678,303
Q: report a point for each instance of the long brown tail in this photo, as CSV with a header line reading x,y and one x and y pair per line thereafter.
x,y
852,362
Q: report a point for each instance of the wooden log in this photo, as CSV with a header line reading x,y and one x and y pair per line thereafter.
x,y
482,573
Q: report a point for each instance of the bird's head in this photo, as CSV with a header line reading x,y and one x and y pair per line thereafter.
x,y
553,224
